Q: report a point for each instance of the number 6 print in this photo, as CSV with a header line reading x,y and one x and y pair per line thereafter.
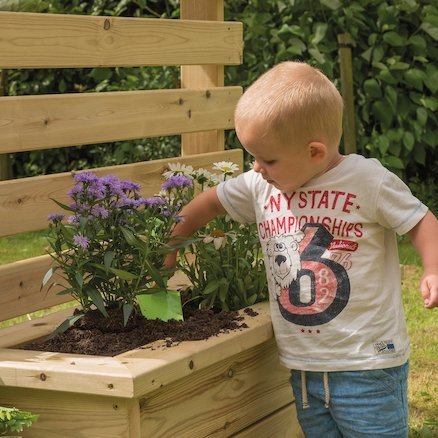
x,y
321,289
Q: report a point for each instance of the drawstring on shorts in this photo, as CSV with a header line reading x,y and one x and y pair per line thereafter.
x,y
304,389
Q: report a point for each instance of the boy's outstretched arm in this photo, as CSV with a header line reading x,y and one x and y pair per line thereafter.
x,y
197,213
424,237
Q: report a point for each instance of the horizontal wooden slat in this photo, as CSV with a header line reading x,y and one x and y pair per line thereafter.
x,y
38,328
30,40
48,121
282,423
25,203
20,288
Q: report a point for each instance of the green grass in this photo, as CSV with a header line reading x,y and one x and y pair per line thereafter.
x,y
423,384
422,327
22,246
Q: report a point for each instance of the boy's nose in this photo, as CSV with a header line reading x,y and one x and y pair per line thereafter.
x,y
257,168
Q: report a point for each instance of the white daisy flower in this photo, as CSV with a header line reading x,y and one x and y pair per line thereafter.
x,y
178,169
219,238
226,167
215,179
202,176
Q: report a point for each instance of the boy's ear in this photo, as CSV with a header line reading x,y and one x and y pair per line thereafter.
x,y
317,150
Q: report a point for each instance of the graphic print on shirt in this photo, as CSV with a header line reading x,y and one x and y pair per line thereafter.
x,y
311,288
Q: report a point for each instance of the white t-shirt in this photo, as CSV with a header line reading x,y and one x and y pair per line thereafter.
x,y
331,258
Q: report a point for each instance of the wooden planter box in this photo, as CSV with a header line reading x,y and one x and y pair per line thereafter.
x,y
228,385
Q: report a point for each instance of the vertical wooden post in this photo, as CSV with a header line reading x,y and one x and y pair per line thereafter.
x,y
345,42
5,159
202,76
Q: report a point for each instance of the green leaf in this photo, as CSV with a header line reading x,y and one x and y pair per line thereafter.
x,y
422,116
430,103
415,77
383,144
418,42
332,4
386,76
97,300
372,88
124,275
108,259
320,32
431,78
408,140
129,236
79,279
127,311
251,300
63,206
317,55
392,97
65,325
155,274
394,162
430,29
48,276
393,39
211,287
382,113
420,155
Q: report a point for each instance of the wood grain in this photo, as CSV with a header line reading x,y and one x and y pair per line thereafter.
x,y
48,121
29,40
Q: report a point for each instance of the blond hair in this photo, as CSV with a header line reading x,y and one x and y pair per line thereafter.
x,y
296,102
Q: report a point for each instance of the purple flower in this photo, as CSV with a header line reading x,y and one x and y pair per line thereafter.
x,y
86,177
75,190
96,190
99,211
81,241
129,185
112,185
55,217
73,219
177,181
155,201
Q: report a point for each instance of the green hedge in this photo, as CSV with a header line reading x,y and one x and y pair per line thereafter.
x,y
394,72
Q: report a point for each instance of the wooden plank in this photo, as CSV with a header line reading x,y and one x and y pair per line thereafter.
x,y
22,333
345,43
25,203
202,76
74,373
20,288
30,40
281,424
48,121
70,415
135,373
221,399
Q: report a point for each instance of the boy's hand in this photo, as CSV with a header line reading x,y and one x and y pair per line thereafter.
x,y
429,290
170,260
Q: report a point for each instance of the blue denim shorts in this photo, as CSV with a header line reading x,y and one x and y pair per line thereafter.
x,y
352,404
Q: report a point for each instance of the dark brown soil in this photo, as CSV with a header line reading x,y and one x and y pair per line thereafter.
x,y
94,334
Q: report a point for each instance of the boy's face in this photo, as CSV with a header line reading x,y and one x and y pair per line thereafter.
x,y
287,167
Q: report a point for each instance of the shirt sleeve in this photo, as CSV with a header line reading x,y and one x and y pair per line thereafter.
x,y
397,208
236,196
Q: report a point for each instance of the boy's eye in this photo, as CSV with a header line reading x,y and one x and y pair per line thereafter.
x,y
269,162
